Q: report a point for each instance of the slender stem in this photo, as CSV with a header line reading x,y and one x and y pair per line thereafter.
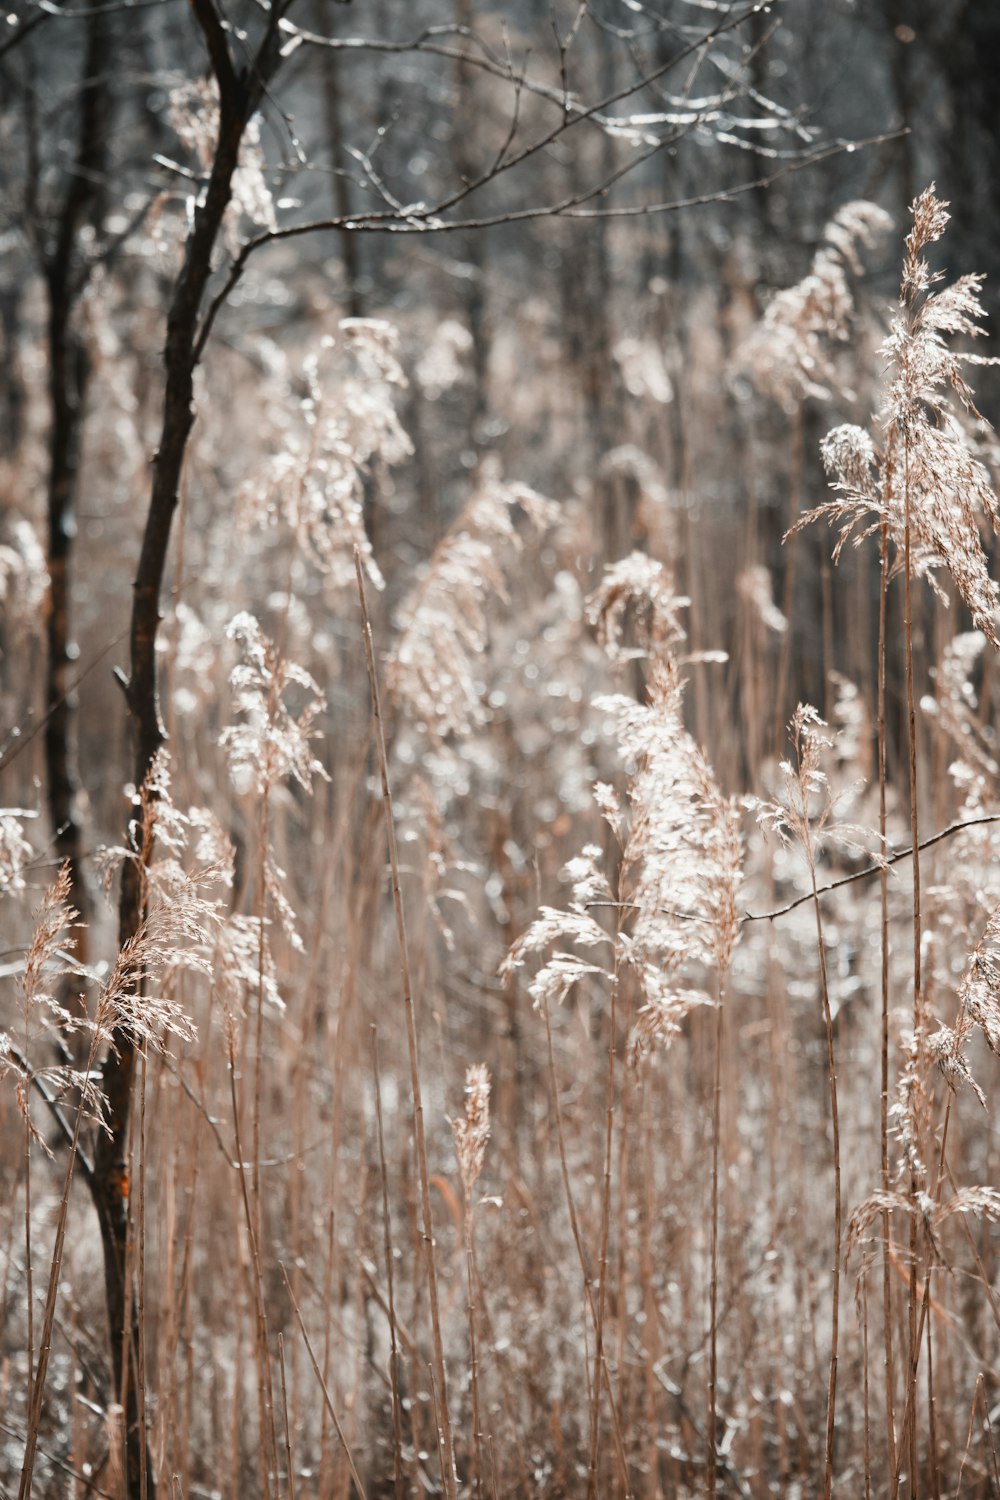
x,y
890,1417
140,1256
427,1228
864,1369
908,1423
323,1386
49,1313
397,1418
289,1463
269,1436
788,594
29,1274
602,1272
838,1211
468,1224
713,1355
264,1387
911,724
578,1241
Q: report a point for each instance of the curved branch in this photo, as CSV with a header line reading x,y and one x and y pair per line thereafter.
x,y
870,870
41,1088
425,221
834,885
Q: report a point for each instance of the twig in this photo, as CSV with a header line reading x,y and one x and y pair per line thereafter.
x,y
16,741
834,885
322,1385
427,221
17,1057
86,1481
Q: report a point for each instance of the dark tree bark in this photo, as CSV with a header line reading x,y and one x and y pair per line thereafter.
x,y
66,273
12,397
474,248
340,182
967,54
240,92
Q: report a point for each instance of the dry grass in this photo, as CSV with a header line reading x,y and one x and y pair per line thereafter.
x,y
536,1097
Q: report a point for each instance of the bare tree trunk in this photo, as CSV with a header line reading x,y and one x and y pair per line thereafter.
x,y
239,95
333,92
475,244
69,370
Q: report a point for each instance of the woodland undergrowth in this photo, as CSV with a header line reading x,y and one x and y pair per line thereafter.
x,y
565,1065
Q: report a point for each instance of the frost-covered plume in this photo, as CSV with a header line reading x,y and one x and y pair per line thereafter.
x,y
955,708
682,859
979,1009
183,861
789,354
927,480
910,1113
435,671
23,572
564,968
344,434
441,365
681,843
273,742
24,581
636,598
15,850
807,811
472,1131
48,962
756,586
980,988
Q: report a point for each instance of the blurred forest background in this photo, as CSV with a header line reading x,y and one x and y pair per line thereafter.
x,y
527,321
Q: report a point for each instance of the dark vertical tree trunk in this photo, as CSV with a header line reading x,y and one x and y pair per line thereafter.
x,y
239,95
340,182
474,249
11,385
66,276
967,54
897,14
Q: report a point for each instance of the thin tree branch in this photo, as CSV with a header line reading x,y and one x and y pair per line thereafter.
x,y
424,220
834,885
322,1385
18,741
21,1063
573,112
870,870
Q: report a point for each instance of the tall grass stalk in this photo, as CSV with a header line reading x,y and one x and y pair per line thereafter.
x,y
49,1311
448,1478
838,1206
327,1399
602,1260
713,1291
887,1316
590,1309
910,1420
390,1282
267,1449
927,492
471,1134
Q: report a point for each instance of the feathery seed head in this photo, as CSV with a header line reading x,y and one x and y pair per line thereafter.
x,y
472,1132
